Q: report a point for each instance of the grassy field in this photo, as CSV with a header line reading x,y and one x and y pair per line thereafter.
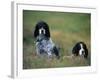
x,y
66,30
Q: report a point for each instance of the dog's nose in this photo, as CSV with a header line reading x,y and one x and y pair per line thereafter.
x,y
42,31
82,52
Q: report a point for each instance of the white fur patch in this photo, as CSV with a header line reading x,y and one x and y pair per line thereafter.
x,y
81,50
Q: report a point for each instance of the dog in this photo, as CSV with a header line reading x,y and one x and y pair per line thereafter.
x,y
44,43
80,49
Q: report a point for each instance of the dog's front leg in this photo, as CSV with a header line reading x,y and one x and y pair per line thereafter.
x,y
37,49
49,55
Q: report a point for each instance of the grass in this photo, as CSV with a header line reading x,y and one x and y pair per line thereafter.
x,y
66,29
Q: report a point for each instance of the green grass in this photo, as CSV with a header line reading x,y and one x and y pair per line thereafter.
x,y
66,29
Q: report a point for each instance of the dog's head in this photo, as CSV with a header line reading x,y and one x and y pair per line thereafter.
x,y
80,49
42,28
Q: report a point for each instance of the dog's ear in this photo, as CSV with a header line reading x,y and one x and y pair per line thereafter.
x,y
75,49
35,31
86,51
47,31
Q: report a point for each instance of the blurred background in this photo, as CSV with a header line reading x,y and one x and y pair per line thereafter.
x,y
66,30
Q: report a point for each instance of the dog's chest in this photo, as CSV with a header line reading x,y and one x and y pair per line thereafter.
x,y
45,45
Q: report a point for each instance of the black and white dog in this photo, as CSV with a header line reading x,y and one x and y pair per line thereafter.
x,y
44,43
80,48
